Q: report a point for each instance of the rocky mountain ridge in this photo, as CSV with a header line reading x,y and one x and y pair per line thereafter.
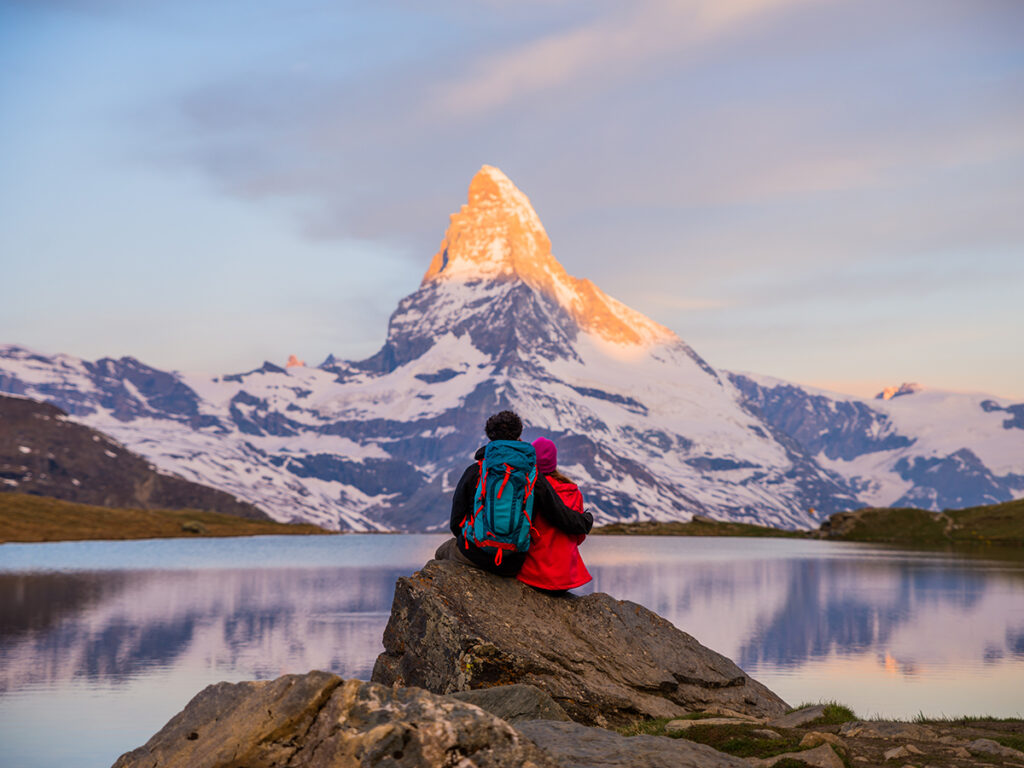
x,y
44,453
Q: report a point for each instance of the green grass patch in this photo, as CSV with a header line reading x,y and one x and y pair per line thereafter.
x,y
739,740
964,720
702,527
1011,740
835,713
992,524
652,727
27,518
900,525
999,524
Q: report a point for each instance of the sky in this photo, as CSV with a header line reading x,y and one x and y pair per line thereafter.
x,y
827,192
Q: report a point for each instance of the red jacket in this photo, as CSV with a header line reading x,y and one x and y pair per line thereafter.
x,y
553,561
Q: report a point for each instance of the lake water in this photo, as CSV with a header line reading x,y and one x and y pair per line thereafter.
x,y
102,642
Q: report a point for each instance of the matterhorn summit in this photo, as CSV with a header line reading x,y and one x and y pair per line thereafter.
x,y
645,426
498,236
495,235
495,280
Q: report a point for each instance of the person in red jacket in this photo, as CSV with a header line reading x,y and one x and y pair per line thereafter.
x,y
553,562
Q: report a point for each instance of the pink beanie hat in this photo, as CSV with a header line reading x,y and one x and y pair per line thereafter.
x,y
547,455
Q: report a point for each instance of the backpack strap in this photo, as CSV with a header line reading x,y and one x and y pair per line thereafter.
x,y
508,473
480,469
483,491
482,475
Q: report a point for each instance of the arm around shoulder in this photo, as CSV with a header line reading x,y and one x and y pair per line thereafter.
x,y
548,504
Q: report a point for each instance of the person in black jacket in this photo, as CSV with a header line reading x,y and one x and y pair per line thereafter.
x,y
505,425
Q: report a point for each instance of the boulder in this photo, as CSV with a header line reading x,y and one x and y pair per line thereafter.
x,y
579,746
896,753
819,757
318,720
799,717
514,703
990,747
816,738
605,661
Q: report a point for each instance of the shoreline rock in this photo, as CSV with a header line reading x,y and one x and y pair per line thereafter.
x,y
318,720
604,661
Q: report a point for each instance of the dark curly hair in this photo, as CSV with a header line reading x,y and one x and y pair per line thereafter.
x,y
504,425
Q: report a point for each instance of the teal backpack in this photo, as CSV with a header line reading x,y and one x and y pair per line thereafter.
x,y
503,502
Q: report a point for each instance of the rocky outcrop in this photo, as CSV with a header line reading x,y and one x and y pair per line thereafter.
x,y
605,661
43,453
318,720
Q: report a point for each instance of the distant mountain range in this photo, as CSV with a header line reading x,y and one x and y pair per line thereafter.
x,y
647,427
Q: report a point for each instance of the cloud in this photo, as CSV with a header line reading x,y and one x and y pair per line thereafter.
x,y
612,46
702,137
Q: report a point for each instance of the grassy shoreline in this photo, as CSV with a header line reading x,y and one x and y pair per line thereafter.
x,y
996,524
32,519
699,526
29,518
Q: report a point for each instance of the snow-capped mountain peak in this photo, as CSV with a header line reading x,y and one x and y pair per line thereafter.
x,y
498,237
496,234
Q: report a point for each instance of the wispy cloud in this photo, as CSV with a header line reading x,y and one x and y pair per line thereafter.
x,y
617,111
610,47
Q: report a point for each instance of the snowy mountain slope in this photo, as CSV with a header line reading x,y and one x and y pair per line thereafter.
x,y
924,448
648,428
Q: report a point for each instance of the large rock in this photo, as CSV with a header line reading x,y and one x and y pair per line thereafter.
x,y
605,661
318,720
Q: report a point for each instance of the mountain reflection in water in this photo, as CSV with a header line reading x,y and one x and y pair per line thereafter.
x,y
112,626
887,631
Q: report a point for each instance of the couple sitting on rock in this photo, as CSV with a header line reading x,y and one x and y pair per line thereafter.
x,y
534,533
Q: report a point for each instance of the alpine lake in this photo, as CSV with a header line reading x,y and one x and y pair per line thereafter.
x,y
102,642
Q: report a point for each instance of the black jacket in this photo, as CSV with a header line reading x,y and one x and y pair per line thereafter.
x,y
545,503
